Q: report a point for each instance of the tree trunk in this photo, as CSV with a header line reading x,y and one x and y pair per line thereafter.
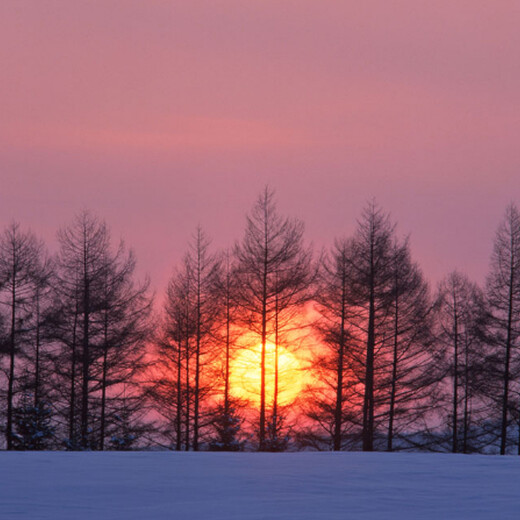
x,y
73,380
85,368
455,412
505,397
338,409
394,373
197,360
104,386
368,404
178,412
264,345
37,353
12,346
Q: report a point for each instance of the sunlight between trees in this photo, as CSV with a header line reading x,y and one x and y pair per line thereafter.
x,y
267,346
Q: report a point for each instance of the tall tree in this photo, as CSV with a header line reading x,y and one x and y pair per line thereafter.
x,y
41,310
227,422
20,254
503,294
371,276
126,327
408,345
273,270
103,324
460,314
170,389
328,406
204,268
188,343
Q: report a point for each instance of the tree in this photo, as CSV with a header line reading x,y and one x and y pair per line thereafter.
x,y
103,325
328,405
205,270
33,428
227,425
20,254
370,258
375,320
503,295
170,390
126,330
227,421
408,345
41,311
188,345
460,314
273,274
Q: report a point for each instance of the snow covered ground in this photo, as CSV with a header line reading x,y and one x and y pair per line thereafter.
x,y
247,486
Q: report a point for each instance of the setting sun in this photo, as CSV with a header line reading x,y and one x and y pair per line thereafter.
x,y
245,375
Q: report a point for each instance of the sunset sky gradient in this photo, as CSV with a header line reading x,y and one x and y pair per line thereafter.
x,y
161,115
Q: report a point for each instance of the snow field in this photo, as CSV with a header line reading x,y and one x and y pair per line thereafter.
x,y
254,486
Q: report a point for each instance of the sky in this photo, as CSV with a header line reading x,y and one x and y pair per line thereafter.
x,y
160,116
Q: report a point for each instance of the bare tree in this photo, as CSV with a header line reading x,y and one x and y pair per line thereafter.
x,y
188,344
370,260
126,327
332,368
170,389
102,324
273,273
227,421
460,314
408,345
204,268
503,294
20,253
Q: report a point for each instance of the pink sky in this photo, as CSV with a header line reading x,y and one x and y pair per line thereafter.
x,y
160,115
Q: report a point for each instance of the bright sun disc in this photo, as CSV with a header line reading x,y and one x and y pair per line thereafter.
x,y
245,375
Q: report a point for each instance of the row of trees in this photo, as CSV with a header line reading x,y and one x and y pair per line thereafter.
x,y
74,330
388,364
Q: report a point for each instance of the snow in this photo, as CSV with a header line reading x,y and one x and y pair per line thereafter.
x,y
253,486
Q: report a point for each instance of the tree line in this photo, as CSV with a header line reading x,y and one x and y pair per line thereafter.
x,y
385,362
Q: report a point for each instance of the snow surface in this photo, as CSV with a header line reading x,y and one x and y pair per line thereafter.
x,y
247,486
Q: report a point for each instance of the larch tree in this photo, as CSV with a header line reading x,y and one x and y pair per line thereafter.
x,y
460,317
82,267
204,268
503,295
170,389
272,271
102,324
227,422
34,415
120,353
370,260
408,347
20,254
188,339
331,397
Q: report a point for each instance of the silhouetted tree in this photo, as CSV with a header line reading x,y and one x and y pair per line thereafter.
x,y
503,294
104,324
227,421
33,427
170,389
273,273
370,257
20,254
204,268
188,343
331,400
408,344
460,316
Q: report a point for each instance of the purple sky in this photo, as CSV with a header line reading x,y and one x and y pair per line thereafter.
x,y
160,115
